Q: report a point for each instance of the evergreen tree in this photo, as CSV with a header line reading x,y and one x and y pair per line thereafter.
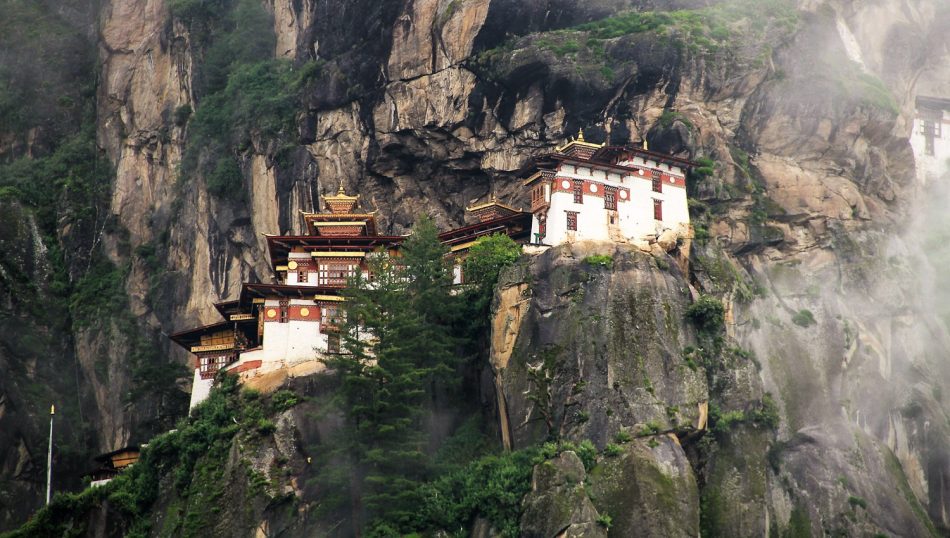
x,y
398,350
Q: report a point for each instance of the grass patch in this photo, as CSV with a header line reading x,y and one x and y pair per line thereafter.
x,y
599,260
804,318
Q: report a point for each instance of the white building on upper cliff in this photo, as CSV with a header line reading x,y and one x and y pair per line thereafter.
x,y
931,137
586,191
273,331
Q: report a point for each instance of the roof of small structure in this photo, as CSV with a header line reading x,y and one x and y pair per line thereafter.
x,y
606,157
938,103
188,337
108,455
514,225
493,201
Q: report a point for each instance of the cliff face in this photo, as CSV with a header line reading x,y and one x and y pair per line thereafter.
x,y
424,106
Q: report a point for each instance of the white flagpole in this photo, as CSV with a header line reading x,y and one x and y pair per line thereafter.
x,y
49,455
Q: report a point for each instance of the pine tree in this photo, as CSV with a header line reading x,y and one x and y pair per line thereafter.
x,y
398,350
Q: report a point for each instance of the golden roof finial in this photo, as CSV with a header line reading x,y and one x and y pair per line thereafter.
x,y
341,191
646,146
580,134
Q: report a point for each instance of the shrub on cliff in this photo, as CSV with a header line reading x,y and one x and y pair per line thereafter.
x,y
708,315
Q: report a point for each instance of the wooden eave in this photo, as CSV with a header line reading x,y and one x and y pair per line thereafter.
x,y
518,223
312,220
188,338
226,308
608,155
108,455
932,103
250,292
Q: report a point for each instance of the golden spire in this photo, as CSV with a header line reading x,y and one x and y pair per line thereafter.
x,y
580,134
340,202
646,146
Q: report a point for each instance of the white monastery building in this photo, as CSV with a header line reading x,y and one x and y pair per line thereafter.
x,y
586,191
581,191
931,137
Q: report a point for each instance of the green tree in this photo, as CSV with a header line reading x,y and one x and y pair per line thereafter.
x,y
398,350
485,260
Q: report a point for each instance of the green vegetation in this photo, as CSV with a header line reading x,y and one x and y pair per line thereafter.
x,y
486,258
708,315
669,116
605,521
857,502
765,415
599,260
706,168
592,50
51,94
244,94
623,437
804,318
192,455
612,450
421,333
799,525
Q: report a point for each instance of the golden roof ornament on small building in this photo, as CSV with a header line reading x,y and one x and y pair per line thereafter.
x,y
340,202
579,146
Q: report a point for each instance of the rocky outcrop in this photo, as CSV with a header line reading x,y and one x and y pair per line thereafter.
x,y
598,347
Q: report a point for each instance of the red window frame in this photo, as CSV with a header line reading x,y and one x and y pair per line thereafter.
x,y
284,310
658,209
302,276
657,181
572,220
610,198
578,191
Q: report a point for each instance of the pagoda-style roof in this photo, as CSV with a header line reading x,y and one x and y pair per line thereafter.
x,y
340,202
578,147
516,226
340,217
280,246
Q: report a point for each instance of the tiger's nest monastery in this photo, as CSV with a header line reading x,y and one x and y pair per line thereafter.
x,y
581,191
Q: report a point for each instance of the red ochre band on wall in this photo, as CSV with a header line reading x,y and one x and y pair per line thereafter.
x,y
294,313
249,365
591,188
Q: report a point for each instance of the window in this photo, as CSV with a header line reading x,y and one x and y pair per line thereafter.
x,y
610,198
331,317
578,191
542,229
333,343
209,365
930,130
302,277
284,307
928,127
658,209
335,272
657,181
572,220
